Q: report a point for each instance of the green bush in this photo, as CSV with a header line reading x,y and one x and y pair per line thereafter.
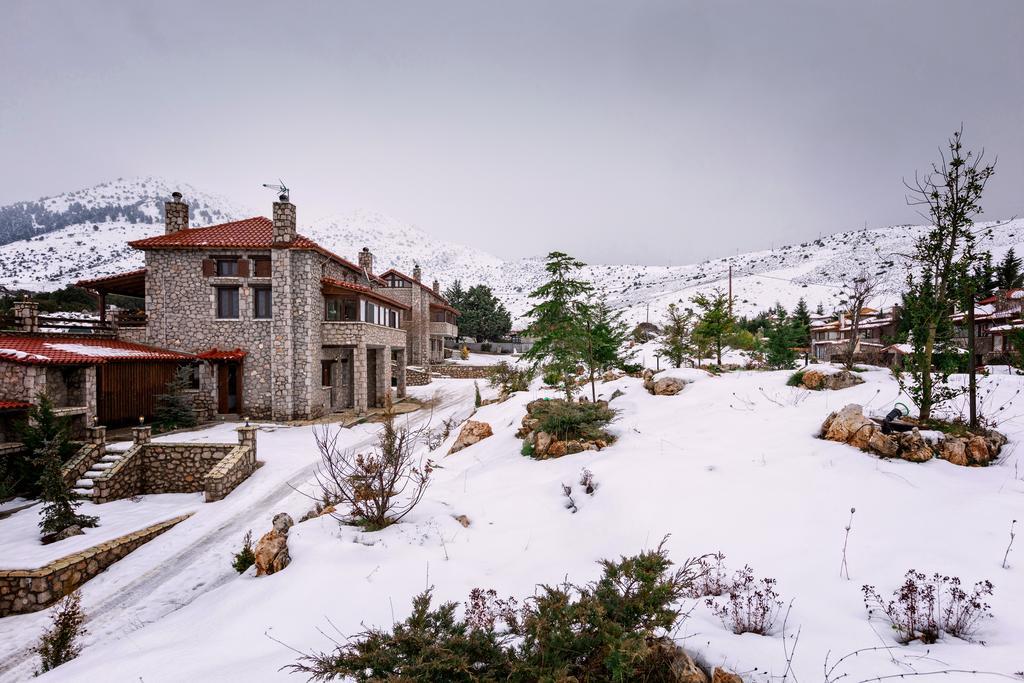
x,y
566,421
527,449
796,379
612,629
509,378
60,643
245,557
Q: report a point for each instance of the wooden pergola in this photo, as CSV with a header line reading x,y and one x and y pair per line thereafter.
x,y
131,284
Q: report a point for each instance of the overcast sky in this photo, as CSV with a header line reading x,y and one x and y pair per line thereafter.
x,y
648,132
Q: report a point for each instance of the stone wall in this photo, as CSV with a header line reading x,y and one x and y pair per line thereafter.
x,y
65,385
30,590
161,467
416,378
464,371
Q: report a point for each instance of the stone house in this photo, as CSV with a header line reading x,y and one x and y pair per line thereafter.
x,y
284,328
830,338
433,320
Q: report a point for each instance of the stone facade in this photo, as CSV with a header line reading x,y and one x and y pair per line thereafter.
x,y
72,388
283,357
30,590
426,336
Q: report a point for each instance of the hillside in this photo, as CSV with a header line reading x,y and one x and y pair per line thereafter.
x,y
84,233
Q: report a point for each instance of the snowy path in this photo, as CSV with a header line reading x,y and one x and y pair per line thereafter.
x,y
173,570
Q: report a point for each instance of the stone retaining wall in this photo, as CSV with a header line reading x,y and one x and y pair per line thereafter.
x,y
416,378
464,371
148,467
80,462
30,590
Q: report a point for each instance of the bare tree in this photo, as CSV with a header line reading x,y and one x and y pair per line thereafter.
x,y
378,488
858,291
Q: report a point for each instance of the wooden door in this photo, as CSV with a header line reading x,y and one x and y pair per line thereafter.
x,y
371,378
229,388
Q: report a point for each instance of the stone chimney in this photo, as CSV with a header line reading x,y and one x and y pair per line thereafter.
x,y
366,260
437,287
417,273
175,214
284,221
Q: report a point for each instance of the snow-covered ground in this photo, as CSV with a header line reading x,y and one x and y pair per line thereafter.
x,y
730,464
483,359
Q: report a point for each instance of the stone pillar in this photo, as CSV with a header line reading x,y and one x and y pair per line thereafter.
x,y
142,434
359,378
383,373
96,435
27,313
284,221
401,363
247,437
175,214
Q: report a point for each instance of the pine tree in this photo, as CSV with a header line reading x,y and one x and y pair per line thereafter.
x,y
801,324
455,294
59,502
482,315
676,339
60,643
38,432
778,352
175,408
605,344
716,320
1008,274
559,339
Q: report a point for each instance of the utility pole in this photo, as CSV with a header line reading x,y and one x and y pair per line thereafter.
x,y
730,290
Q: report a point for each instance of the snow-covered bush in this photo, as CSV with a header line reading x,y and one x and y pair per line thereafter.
x,y
923,608
750,606
567,420
245,557
509,378
612,629
59,644
381,487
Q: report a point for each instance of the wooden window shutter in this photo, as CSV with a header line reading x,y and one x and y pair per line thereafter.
x,y
243,267
209,267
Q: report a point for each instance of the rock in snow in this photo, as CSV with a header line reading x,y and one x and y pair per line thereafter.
x,y
472,432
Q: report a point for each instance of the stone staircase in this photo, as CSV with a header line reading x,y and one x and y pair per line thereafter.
x,y
84,486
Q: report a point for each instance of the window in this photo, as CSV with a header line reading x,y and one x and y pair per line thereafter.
x,y
338,309
227,303
262,303
261,266
370,312
392,319
327,373
227,268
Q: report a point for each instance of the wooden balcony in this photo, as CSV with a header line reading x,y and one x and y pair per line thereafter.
x,y
443,329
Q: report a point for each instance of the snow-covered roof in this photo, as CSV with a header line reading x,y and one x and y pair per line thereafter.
x,y
65,350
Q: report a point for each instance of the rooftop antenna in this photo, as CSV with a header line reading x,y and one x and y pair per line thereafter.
x,y
282,189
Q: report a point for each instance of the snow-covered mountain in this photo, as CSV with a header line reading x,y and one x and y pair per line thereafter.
x,y
83,234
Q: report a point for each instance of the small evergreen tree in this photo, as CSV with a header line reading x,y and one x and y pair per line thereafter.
x,y
245,557
604,349
59,502
716,320
455,295
801,324
175,408
676,339
1009,274
482,315
41,429
60,643
778,352
477,401
556,326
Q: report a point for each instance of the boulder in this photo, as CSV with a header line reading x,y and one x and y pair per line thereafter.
x,y
953,450
978,451
574,447
667,386
282,522
681,666
73,530
272,553
913,447
556,450
817,380
463,520
541,443
720,675
849,425
472,432
883,444
813,379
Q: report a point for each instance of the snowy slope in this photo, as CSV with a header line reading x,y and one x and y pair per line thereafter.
x,y
729,464
812,270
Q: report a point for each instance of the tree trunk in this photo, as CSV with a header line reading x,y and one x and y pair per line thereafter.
x,y
925,368
972,370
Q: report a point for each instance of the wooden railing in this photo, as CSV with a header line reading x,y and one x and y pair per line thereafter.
x,y
49,323
130,319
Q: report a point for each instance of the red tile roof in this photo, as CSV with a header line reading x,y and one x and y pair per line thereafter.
x,y
68,350
132,283
407,278
363,289
14,405
217,354
250,233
